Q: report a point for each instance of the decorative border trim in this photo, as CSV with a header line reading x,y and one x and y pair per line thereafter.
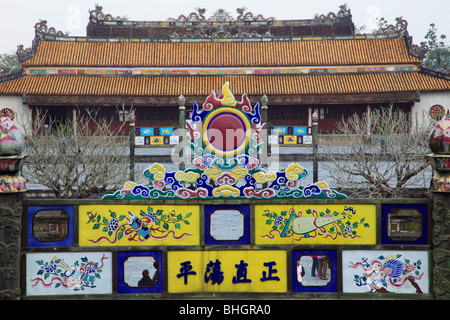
x,y
220,71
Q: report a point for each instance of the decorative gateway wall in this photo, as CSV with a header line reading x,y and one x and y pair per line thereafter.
x,y
225,226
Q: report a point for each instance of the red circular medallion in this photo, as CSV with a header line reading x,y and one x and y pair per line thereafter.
x,y
226,131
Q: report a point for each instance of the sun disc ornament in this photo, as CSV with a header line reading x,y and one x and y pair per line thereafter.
x,y
226,131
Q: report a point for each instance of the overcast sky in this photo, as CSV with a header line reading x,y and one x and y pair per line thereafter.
x,y
19,17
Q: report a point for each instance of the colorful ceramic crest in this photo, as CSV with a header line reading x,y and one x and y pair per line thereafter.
x,y
439,138
12,143
226,136
12,140
439,141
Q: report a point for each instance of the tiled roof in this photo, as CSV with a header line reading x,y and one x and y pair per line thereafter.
x,y
202,85
329,52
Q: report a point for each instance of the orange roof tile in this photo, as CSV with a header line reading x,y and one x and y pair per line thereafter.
x,y
202,85
227,54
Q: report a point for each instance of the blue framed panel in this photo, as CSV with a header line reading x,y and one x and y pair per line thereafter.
x,y
48,222
130,271
392,232
307,282
146,131
279,130
302,131
166,131
227,224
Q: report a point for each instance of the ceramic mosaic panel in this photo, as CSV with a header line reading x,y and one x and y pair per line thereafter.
x,y
208,71
404,224
385,271
227,225
314,271
315,224
140,272
64,273
50,226
137,225
226,137
227,271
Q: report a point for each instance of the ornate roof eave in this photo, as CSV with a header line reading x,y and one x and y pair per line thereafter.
x,y
435,73
280,85
368,36
41,32
5,77
401,30
25,54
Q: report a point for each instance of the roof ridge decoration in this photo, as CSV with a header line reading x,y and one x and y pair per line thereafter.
x,y
98,14
419,51
250,17
41,30
220,15
400,26
225,168
24,54
343,12
193,16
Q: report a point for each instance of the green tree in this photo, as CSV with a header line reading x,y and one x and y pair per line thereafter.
x,y
9,63
438,56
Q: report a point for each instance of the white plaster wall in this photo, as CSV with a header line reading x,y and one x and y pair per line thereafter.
x,y
21,111
421,108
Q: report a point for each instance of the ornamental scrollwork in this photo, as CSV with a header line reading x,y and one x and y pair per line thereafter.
x,y
190,34
223,167
42,29
342,13
441,254
9,252
419,51
400,26
193,16
98,14
249,16
10,294
24,54
220,15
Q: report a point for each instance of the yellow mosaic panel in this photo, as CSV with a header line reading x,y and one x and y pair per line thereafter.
x,y
315,224
227,271
158,140
139,225
289,139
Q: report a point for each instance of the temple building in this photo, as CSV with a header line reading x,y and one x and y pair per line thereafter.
x,y
301,66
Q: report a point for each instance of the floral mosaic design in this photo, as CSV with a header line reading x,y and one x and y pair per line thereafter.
x,y
156,225
82,274
313,223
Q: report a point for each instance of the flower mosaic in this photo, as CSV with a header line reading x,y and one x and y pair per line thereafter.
x,y
149,224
